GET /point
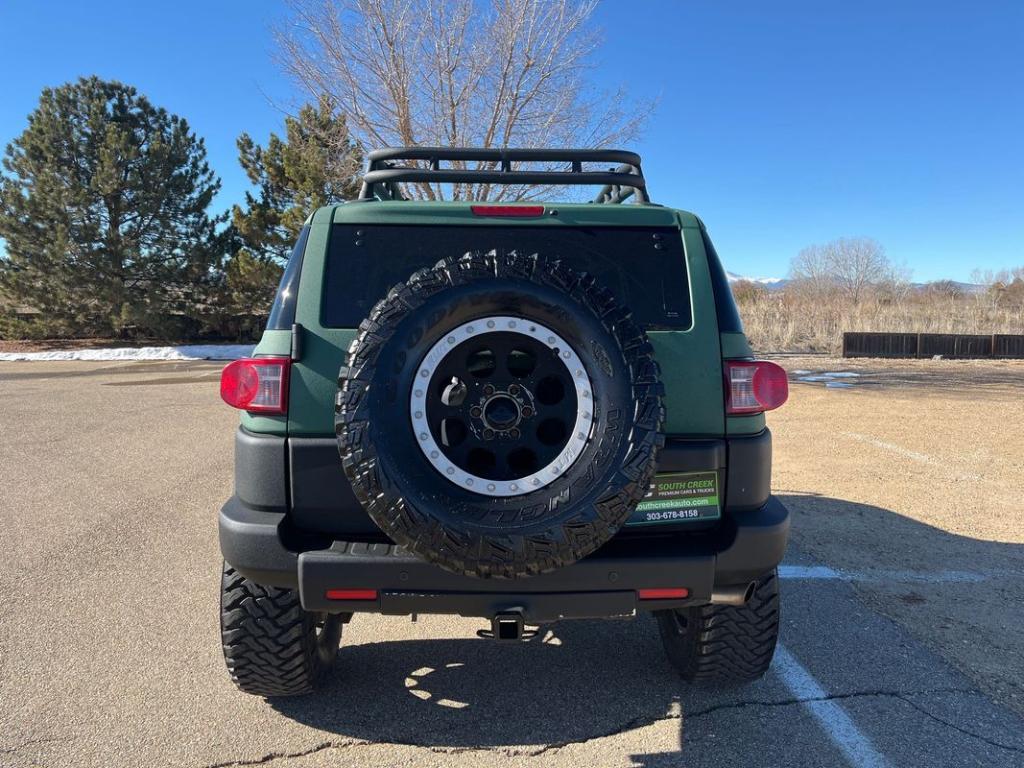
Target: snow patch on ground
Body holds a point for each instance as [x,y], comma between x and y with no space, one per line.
[185,352]
[831,379]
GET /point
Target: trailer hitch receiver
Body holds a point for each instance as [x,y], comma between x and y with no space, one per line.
[507,625]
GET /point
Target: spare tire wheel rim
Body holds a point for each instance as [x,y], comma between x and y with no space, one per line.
[501,406]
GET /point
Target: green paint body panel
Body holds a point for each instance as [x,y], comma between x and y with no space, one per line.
[745,425]
[274,343]
[691,359]
[736,347]
[314,381]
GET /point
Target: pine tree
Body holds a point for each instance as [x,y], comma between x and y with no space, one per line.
[103,208]
[317,163]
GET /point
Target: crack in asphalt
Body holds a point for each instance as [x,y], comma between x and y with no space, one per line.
[830,697]
[903,696]
[636,722]
[641,721]
[289,755]
[955,727]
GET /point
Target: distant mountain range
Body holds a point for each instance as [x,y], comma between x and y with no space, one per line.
[771,283]
[964,287]
[778,283]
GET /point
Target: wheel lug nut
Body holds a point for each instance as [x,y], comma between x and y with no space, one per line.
[488,434]
[475,412]
[513,433]
[488,389]
[527,411]
[514,389]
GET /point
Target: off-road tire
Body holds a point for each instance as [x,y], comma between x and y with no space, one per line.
[271,645]
[721,644]
[506,537]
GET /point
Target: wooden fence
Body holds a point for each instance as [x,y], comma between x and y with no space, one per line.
[857,344]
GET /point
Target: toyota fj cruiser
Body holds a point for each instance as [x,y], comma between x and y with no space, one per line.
[544,411]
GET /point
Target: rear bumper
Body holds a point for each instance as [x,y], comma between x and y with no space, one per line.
[749,543]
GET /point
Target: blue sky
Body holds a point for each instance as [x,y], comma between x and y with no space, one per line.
[781,124]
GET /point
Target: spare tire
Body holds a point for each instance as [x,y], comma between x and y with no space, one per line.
[499,414]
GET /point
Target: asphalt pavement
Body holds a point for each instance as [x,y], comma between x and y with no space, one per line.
[111,476]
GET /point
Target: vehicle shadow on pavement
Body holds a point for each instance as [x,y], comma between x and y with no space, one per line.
[583,680]
[575,681]
[960,595]
[880,547]
[956,594]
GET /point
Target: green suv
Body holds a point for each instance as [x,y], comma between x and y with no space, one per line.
[544,411]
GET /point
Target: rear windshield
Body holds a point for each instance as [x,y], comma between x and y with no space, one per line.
[643,266]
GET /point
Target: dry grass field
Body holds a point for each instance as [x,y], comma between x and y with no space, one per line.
[791,321]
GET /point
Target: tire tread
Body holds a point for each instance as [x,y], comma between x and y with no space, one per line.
[724,643]
[269,641]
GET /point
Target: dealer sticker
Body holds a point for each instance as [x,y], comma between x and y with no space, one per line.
[679,497]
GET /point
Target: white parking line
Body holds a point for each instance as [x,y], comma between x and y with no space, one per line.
[855,746]
[899,450]
[926,577]
[809,572]
[922,458]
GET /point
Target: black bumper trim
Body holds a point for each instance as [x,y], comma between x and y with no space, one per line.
[534,607]
[413,582]
[250,540]
[749,472]
[253,542]
[261,477]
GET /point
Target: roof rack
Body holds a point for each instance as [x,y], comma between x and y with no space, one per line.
[385,170]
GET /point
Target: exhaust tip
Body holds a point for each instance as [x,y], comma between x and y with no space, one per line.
[733,595]
[749,593]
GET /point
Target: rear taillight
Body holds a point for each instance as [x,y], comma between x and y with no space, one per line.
[257,385]
[514,211]
[755,386]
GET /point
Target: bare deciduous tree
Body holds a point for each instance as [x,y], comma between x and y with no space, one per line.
[811,270]
[458,73]
[858,263]
[850,265]
[1004,287]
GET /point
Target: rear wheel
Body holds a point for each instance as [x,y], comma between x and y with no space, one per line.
[271,645]
[716,644]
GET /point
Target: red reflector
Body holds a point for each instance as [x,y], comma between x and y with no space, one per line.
[515,211]
[665,593]
[351,594]
[755,386]
[256,384]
